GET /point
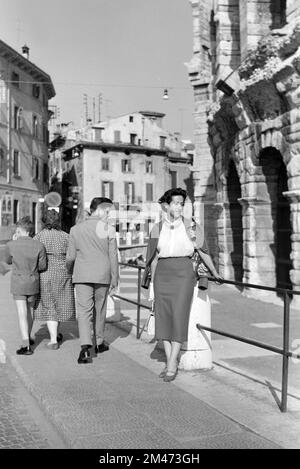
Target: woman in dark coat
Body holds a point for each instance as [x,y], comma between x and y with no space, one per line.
[56,301]
[171,246]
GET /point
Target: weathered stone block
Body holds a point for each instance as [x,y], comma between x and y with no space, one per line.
[295,276]
[294,183]
[266,263]
[293,167]
[293,136]
[264,234]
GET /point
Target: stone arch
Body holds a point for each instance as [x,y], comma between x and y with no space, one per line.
[234,224]
[279,218]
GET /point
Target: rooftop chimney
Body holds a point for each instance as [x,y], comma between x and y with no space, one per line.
[25,51]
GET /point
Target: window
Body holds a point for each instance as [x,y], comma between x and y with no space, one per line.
[126,166]
[16,211]
[35,91]
[98,135]
[2,160]
[15,78]
[18,118]
[130,118]
[6,210]
[16,163]
[45,133]
[35,126]
[149,167]
[149,192]
[33,215]
[45,173]
[117,136]
[278,12]
[129,192]
[133,139]
[108,189]
[35,168]
[162,142]
[105,164]
[173,175]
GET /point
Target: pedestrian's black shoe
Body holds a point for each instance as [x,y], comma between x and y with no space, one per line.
[102,348]
[24,351]
[59,338]
[84,356]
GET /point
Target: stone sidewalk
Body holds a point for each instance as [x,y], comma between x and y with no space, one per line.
[22,424]
[118,401]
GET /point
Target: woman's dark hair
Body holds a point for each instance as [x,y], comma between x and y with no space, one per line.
[51,220]
[167,197]
[98,201]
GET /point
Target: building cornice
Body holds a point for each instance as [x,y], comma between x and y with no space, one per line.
[24,64]
[114,147]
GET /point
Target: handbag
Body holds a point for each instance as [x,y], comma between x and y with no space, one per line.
[150,324]
[146,280]
[201,272]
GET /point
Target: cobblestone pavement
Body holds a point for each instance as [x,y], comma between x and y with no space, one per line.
[22,426]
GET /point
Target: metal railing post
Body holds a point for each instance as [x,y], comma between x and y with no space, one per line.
[138,311]
[285,357]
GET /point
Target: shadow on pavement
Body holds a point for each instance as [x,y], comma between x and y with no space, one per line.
[157,353]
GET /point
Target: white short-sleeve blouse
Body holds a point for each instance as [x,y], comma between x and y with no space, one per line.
[174,241]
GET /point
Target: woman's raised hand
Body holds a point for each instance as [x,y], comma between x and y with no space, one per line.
[218,278]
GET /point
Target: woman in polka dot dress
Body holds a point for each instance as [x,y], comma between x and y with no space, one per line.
[56,301]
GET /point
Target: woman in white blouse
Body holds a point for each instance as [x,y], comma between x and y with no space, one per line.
[169,253]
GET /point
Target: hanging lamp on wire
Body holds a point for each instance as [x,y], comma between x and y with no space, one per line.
[166,95]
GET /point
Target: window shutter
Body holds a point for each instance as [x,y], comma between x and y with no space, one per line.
[117,136]
[149,192]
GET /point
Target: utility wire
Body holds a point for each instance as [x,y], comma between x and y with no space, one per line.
[114,85]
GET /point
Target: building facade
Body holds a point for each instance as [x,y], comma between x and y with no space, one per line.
[246,76]
[129,159]
[25,90]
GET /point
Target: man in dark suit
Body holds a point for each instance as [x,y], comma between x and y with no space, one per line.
[92,256]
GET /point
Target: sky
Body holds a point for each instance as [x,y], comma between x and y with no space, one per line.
[127,50]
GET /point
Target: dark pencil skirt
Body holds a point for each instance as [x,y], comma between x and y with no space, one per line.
[173,283]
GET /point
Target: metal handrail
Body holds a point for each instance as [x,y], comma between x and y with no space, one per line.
[138,302]
[258,287]
[131,246]
[285,352]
